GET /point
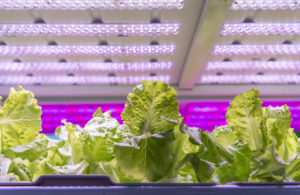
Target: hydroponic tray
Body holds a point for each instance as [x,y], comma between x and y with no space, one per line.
[95,184]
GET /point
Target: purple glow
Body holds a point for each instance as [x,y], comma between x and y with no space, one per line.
[205,115]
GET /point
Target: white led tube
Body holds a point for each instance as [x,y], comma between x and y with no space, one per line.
[265,4]
[284,49]
[51,50]
[253,65]
[261,29]
[90,4]
[67,80]
[249,79]
[84,66]
[90,29]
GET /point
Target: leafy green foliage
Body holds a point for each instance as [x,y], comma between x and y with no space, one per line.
[244,116]
[146,157]
[20,118]
[277,125]
[148,107]
[153,145]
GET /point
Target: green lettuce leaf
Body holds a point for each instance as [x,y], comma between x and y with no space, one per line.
[237,170]
[147,157]
[148,107]
[23,169]
[210,154]
[111,169]
[20,118]
[244,116]
[94,142]
[224,136]
[268,166]
[75,141]
[154,157]
[32,151]
[293,170]
[47,169]
[187,174]
[58,153]
[278,131]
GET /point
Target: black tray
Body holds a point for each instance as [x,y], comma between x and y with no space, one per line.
[98,184]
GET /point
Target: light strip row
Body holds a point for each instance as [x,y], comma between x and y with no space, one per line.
[261,29]
[86,50]
[253,65]
[257,49]
[90,4]
[265,4]
[85,80]
[77,66]
[244,79]
[90,29]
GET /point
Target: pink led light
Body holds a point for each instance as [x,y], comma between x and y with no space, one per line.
[253,65]
[89,66]
[87,50]
[90,29]
[81,79]
[203,114]
[90,4]
[261,28]
[265,4]
[257,49]
[237,79]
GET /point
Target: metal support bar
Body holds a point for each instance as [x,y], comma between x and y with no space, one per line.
[208,28]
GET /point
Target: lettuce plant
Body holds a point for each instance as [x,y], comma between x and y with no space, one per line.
[153,144]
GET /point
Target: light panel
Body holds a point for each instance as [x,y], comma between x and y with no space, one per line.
[86,50]
[90,4]
[209,114]
[265,4]
[82,80]
[261,29]
[254,65]
[79,114]
[243,79]
[90,29]
[203,114]
[86,66]
[284,49]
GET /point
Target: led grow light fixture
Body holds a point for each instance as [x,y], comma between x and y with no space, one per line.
[203,114]
[265,4]
[87,79]
[86,50]
[257,49]
[261,29]
[254,65]
[86,66]
[90,29]
[90,4]
[245,79]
